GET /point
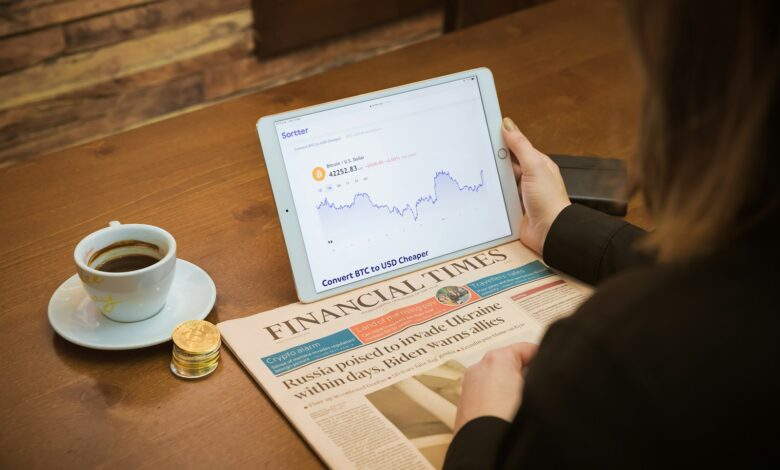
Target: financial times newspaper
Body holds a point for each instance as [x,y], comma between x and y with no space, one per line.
[372,378]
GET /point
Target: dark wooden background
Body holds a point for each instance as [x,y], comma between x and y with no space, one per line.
[76,70]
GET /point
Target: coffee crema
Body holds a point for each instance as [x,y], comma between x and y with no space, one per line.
[125,256]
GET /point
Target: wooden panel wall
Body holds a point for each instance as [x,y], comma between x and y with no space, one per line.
[281,25]
[464,13]
[72,70]
[75,70]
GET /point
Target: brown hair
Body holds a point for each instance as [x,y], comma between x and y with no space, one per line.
[707,166]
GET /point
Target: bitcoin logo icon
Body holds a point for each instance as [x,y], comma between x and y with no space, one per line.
[318,173]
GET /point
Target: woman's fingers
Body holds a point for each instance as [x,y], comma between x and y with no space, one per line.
[521,354]
[524,352]
[540,186]
[526,155]
[493,386]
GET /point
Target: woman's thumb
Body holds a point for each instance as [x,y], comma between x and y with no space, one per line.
[520,146]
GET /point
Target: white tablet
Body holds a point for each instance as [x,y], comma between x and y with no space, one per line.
[377,185]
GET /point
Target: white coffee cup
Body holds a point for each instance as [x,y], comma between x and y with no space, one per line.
[132,295]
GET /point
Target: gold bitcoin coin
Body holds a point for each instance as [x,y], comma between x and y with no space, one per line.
[318,173]
[188,372]
[196,337]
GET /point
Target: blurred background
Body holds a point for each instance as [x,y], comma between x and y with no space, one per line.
[77,70]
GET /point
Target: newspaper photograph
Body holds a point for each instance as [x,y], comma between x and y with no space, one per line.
[372,378]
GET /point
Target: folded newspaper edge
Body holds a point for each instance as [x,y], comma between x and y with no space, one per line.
[372,377]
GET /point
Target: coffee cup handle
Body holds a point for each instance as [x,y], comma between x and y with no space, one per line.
[114,223]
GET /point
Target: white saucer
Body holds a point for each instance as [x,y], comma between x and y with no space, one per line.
[74,316]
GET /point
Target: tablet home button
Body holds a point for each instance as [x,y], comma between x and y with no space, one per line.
[502,153]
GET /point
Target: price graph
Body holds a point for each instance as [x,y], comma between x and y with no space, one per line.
[450,207]
[443,182]
[377,183]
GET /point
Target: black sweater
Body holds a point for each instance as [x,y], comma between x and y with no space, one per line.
[665,366]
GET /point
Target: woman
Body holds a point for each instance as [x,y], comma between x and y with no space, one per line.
[673,361]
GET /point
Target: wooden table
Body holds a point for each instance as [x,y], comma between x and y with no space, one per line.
[563,72]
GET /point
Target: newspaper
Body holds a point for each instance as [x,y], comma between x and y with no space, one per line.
[372,378]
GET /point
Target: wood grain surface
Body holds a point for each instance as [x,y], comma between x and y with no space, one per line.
[287,24]
[22,15]
[564,73]
[98,75]
[136,55]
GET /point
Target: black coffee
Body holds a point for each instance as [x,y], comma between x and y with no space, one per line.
[123,264]
[126,255]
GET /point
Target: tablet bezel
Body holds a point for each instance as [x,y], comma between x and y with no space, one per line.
[285,206]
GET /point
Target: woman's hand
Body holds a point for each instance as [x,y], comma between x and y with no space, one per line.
[494,385]
[541,187]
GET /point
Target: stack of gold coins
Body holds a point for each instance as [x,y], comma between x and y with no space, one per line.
[195,349]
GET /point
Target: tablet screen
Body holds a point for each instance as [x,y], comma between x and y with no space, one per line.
[390,182]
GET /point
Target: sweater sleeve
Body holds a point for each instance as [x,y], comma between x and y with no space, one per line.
[476,444]
[580,409]
[591,246]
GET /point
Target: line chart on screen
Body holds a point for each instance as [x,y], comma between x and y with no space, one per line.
[394,178]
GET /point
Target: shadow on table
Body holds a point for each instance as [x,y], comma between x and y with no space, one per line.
[138,376]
